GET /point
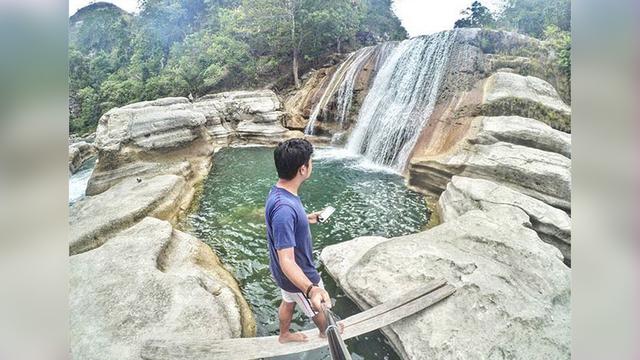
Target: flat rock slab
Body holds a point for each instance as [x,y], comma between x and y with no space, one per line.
[540,174]
[513,291]
[465,194]
[103,179]
[522,131]
[94,219]
[149,281]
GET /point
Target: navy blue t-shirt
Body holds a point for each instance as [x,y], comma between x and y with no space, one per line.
[287,226]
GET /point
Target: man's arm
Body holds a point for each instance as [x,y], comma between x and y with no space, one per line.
[313,217]
[293,272]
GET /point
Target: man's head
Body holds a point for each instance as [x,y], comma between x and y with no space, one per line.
[293,159]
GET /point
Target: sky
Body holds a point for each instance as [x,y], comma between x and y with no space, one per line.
[419,17]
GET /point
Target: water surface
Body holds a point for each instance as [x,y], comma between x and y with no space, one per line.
[230,218]
[78,181]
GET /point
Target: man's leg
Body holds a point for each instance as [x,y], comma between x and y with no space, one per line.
[285,314]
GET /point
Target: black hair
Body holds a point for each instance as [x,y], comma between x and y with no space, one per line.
[290,155]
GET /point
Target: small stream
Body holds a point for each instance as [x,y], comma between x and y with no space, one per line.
[230,218]
[78,181]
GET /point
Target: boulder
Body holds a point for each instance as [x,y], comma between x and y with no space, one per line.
[79,153]
[152,125]
[465,194]
[540,174]
[521,131]
[151,282]
[94,219]
[513,291]
[507,93]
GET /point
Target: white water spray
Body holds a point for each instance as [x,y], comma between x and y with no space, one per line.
[401,100]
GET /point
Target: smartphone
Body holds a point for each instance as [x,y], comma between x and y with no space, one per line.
[324,215]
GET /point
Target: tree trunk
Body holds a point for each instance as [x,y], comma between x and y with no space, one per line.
[296,47]
[296,79]
[339,49]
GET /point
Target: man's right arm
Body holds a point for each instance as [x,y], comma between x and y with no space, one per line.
[284,242]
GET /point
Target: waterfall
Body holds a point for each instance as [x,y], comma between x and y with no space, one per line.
[401,100]
[342,81]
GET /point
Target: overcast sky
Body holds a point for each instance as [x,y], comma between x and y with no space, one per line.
[419,17]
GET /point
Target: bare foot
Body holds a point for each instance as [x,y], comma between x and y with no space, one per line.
[340,329]
[292,337]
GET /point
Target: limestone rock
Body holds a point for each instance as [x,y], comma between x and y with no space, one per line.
[95,218]
[513,291]
[465,194]
[160,124]
[507,93]
[101,180]
[251,115]
[261,132]
[79,153]
[150,282]
[522,131]
[543,175]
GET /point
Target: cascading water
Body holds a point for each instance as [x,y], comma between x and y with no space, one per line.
[401,100]
[342,81]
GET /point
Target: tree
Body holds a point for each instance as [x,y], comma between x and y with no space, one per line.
[298,28]
[477,15]
[532,17]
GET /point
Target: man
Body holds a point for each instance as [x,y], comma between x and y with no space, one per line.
[289,240]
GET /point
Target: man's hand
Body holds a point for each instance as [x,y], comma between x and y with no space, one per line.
[317,295]
[313,217]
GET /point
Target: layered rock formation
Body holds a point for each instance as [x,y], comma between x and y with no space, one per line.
[499,118]
[176,136]
[151,138]
[513,291]
[253,116]
[496,151]
[150,282]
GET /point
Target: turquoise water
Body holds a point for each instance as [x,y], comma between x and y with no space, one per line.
[230,218]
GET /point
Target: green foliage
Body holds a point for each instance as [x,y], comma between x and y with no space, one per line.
[532,17]
[194,47]
[379,23]
[87,118]
[205,59]
[560,42]
[477,15]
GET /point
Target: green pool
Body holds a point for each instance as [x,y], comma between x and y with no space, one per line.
[230,218]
